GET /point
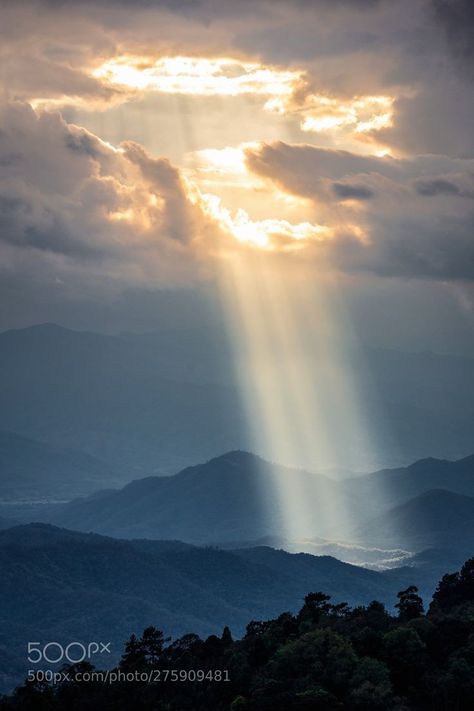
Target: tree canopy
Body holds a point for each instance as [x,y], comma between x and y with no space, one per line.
[328,656]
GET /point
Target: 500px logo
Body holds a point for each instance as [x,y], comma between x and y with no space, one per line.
[74,652]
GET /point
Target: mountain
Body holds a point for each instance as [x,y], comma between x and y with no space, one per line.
[399,484]
[230,498]
[436,518]
[32,470]
[128,400]
[238,499]
[157,402]
[387,488]
[85,587]
[367,556]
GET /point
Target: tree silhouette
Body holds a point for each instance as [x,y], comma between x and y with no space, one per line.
[145,650]
[132,657]
[226,636]
[315,605]
[409,605]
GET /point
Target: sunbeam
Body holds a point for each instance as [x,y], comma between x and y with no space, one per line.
[297,385]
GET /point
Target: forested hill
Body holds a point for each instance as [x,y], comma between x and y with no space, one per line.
[63,585]
[326,657]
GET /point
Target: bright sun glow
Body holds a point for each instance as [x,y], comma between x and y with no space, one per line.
[198,76]
[224,76]
[269,234]
[361,114]
[225,161]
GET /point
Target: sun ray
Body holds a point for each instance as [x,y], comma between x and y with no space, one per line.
[296,384]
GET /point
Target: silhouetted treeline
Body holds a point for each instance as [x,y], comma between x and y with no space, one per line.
[326,657]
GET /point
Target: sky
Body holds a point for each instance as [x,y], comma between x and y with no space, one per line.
[148,145]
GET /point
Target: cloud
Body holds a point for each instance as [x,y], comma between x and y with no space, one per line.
[82,206]
[76,210]
[456,17]
[346,191]
[301,168]
[225,7]
[396,53]
[398,232]
[438,186]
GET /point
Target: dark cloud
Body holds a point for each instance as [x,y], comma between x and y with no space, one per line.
[438,119]
[346,191]
[430,188]
[432,79]
[456,17]
[440,248]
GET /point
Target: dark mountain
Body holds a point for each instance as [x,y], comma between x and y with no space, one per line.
[381,491]
[230,498]
[31,470]
[160,401]
[393,486]
[436,518]
[87,587]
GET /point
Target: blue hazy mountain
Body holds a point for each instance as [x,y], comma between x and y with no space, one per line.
[32,470]
[161,401]
[233,499]
[87,587]
[229,498]
[436,518]
[125,399]
[394,486]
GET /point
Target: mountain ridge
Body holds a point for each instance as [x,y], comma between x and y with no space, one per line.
[235,497]
[84,586]
[433,518]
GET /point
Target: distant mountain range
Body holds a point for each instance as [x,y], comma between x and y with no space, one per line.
[233,500]
[62,585]
[432,519]
[32,470]
[158,402]
[122,399]
[398,485]
[230,498]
